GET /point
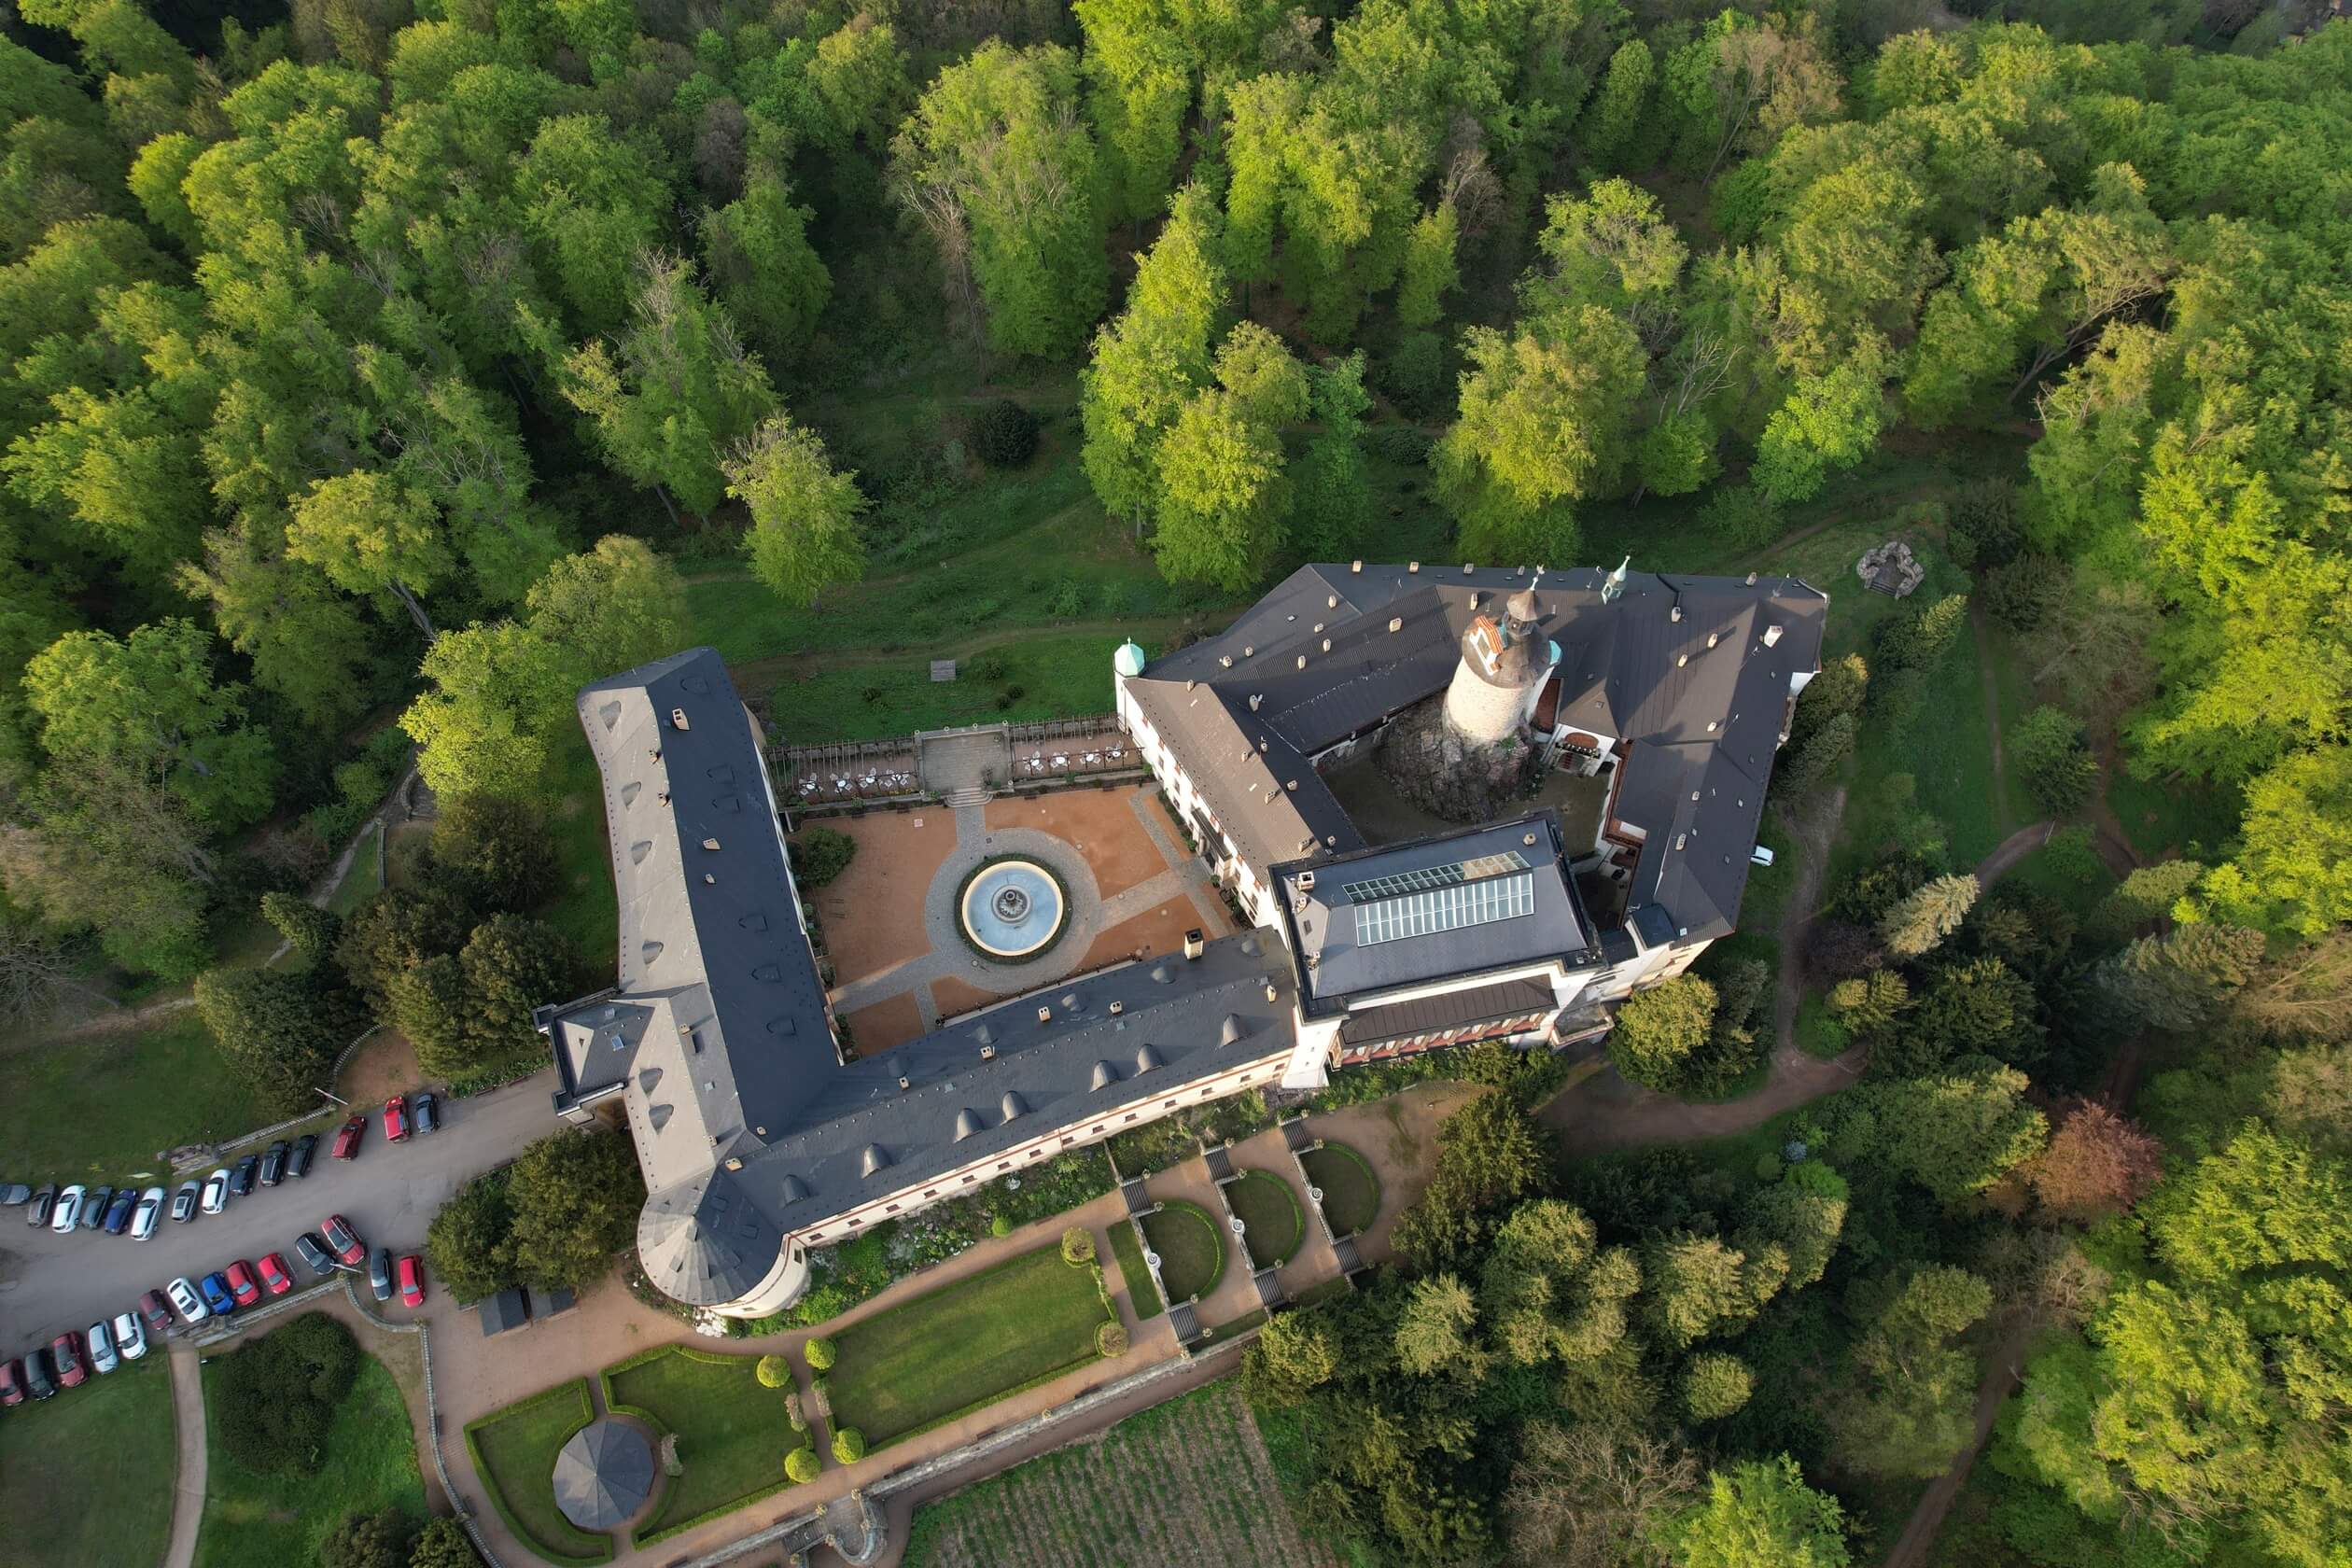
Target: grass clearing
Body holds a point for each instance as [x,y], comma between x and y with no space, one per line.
[731,1433]
[1186,1484]
[1351,1189]
[1053,675]
[963,1346]
[2193,819]
[583,906]
[1142,1291]
[1191,1252]
[1272,1222]
[370,1464]
[364,878]
[514,1453]
[123,1421]
[106,1102]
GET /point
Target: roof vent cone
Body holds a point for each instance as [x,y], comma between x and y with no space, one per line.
[1193,943]
[1675,614]
[1255,698]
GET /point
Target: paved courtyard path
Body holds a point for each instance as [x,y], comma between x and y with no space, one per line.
[188,1422]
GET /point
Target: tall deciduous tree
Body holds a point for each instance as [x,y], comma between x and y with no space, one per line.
[804,536]
[1757,1513]
[1224,493]
[575,1197]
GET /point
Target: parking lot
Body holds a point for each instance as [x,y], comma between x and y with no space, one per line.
[50,1284]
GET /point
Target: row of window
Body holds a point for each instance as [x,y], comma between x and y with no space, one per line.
[1408,1045]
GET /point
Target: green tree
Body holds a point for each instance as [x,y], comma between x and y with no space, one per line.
[1435,1330]
[309,930]
[493,698]
[2060,771]
[102,846]
[756,252]
[848,1445]
[276,1033]
[430,1004]
[1613,122]
[804,536]
[1428,273]
[2292,872]
[774,1372]
[1002,167]
[1909,1414]
[819,1352]
[592,199]
[618,605]
[468,1239]
[497,848]
[802,1465]
[1830,421]
[1803,1214]
[576,1197]
[1224,493]
[369,532]
[1660,1029]
[397,928]
[1333,486]
[149,704]
[1955,1133]
[1292,1356]
[1869,1004]
[443,1544]
[1754,1514]
[377,1540]
[1696,1286]
[1917,923]
[1715,1385]
[511,965]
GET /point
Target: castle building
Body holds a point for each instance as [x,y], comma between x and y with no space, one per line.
[1656,703]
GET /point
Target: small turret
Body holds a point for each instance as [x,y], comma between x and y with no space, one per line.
[1127,661]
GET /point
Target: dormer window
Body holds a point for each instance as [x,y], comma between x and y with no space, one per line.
[678,717]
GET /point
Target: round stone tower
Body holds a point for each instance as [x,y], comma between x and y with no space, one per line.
[1503,662]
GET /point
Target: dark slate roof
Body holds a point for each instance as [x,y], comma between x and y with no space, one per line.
[1631,668]
[718,1040]
[502,1311]
[1472,1004]
[1321,920]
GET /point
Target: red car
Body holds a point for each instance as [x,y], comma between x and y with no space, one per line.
[413,1280]
[347,1138]
[274,1274]
[343,1241]
[396,1118]
[11,1382]
[72,1366]
[240,1283]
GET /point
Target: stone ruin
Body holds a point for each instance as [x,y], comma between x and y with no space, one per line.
[1447,775]
[1890,569]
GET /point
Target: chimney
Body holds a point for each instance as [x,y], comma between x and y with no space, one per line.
[1466,570]
[1306,878]
[988,1053]
[905,1082]
[1044,1015]
[1117,1008]
[1355,565]
[1751,582]
[1225,661]
[1771,635]
[1675,614]
[1396,623]
[1193,943]
[1412,566]
[1332,603]
[1255,698]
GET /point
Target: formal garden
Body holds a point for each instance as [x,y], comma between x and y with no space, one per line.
[731,1432]
[1273,1224]
[923,1363]
[1350,1191]
[514,1453]
[1191,1251]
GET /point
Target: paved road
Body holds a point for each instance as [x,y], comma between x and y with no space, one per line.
[49,1282]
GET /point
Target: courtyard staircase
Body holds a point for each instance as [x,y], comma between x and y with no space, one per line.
[971,795]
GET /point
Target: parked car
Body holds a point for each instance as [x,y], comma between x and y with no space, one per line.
[347,1138]
[427,1110]
[379,1273]
[44,1205]
[217,1191]
[13,1194]
[129,1337]
[184,1201]
[305,1149]
[242,1182]
[93,1206]
[102,1359]
[69,1208]
[40,1374]
[157,1309]
[242,1284]
[275,1277]
[11,1382]
[217,1295]
[73,1363]
[273,1163]
[413,1280]
[341,1239]
[396,1126]
[187,1303]
[313,1256]
[118,1215]
[148,1215]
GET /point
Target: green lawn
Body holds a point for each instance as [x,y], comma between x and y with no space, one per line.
[1947,749]
[1272,1221]
[115,1431]
[731,1433]
[105,1103]
[2194,817]
[1350,1191]
[370,1464]
[1142,1291]
[363,877]
[1191,1252]
[583,906]
[514,1453]
[1057,675]
[963,1346]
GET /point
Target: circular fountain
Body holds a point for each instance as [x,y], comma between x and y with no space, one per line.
[1012,909]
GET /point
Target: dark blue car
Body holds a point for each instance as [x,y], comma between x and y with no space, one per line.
[218,1295]
[117,1218]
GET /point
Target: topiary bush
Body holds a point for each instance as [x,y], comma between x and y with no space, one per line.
[1077,1246]
[819,1352]
[802,1466]
[773,1372]
[820,855]
[1004,434]
[1000,1224]
[1110,1341]
[849,1445]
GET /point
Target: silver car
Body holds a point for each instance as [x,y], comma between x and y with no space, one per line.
[130,1335]
[101,1352]
[184,1201]
[68,1208]
[149,1212]
[217,1191]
